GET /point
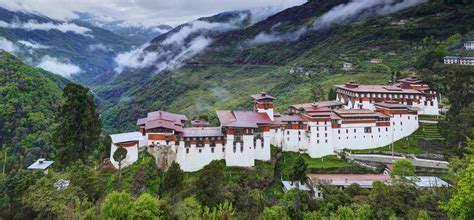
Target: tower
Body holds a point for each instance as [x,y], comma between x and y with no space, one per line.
[263,103]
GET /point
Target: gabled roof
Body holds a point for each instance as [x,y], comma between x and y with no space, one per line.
[243,119]
[325,105]
[378,89]
[126,137]
[163,119]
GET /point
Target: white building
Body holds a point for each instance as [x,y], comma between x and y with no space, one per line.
[244,136]
[347,66]
[469,45]
[409,91]
[469,61]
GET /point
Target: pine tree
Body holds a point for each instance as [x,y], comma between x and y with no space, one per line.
[78,130]
[173,179]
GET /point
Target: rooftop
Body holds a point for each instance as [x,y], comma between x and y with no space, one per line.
[163,119]
[40,164]
[262,96]
[126,137]
[364,180]
[316,105]
[203,132]
[199,123]
[376,89]
[289,185]
[428,181]
[243,118]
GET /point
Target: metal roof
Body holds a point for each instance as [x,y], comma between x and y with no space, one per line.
[40,164]
[126,137]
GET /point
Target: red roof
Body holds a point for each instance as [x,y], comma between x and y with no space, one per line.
[390,105]
[243,119]
[378,89]
[295,117]
[162,119]
[199,123]
[411,80]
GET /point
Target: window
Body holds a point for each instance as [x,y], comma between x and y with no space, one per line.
[212,150]
[235,149]
[355,131]
[317,134]
[288,138]
[317,128]
[367,130]
[187,150]
[223,150]
[386,129]
[317,141]
[299,139]
[326,140]
[401,123]
[200,150]
[325,134]
[379,129]
[241,148]
[325,128]
[338,131]
[347,131]
[299,132]
[288,132]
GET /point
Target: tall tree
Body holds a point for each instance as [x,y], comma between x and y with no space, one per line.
[173,179]
[78,130]
[119,155]
[298,171]
[210,184]
[145,207]
[332,94]
[189,209]
[461,206]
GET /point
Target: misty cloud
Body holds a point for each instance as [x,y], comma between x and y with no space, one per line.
[33,44]
[185,43]
[7,45]
[98,47]
[56,66]
[342,13]
[34,25]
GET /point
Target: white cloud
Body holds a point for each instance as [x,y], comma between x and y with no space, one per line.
[98,47]
[34,25]
[54,65]
[33,44]
[137,58]
[7,45]
[146,12]
[339,14]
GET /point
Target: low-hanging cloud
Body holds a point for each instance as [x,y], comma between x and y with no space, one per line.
[56,66]
[98,47]
[7,45]
[179,46]
[35,25]
[33,44]
[342,13]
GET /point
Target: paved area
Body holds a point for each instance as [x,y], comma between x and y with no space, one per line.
[437,164]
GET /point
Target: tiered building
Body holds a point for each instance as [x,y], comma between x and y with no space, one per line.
[362,117]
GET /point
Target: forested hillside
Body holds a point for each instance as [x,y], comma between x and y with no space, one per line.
[29,98]
[290,68]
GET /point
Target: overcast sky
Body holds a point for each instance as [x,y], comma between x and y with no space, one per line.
[147,12]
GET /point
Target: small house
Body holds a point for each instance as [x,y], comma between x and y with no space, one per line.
[42,165]
[375,61]
[347,66]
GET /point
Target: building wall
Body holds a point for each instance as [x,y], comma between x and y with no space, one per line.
[132,156]
[262,147]
[240,154]
[321,143]
[194,158]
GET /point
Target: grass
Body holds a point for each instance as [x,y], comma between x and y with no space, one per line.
[327,164]
[410,144]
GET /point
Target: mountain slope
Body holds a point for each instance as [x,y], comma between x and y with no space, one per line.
[29,98]
[231,68]
[74,49]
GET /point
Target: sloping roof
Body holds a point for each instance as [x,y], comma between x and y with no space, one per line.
[390,105]
[364,180]
[203,132]
[199,123]
[316,105]
[295,117]
[163,119]
[126,137]
[243,118]
[411,80]
[262,96]
[428,181]
[40,164]
[379,89]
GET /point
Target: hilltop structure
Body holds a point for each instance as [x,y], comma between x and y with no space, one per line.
[317,129]
[469,45]
[459,60]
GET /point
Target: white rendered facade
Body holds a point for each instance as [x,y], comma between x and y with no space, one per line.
[243,137]
[469,45]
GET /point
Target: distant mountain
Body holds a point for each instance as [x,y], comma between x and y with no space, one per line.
[138,34]
[287,55]
[74,49]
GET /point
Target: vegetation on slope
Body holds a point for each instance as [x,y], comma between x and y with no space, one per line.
[29,99]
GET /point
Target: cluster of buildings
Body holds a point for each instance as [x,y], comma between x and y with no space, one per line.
[459,60]
[362,117]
